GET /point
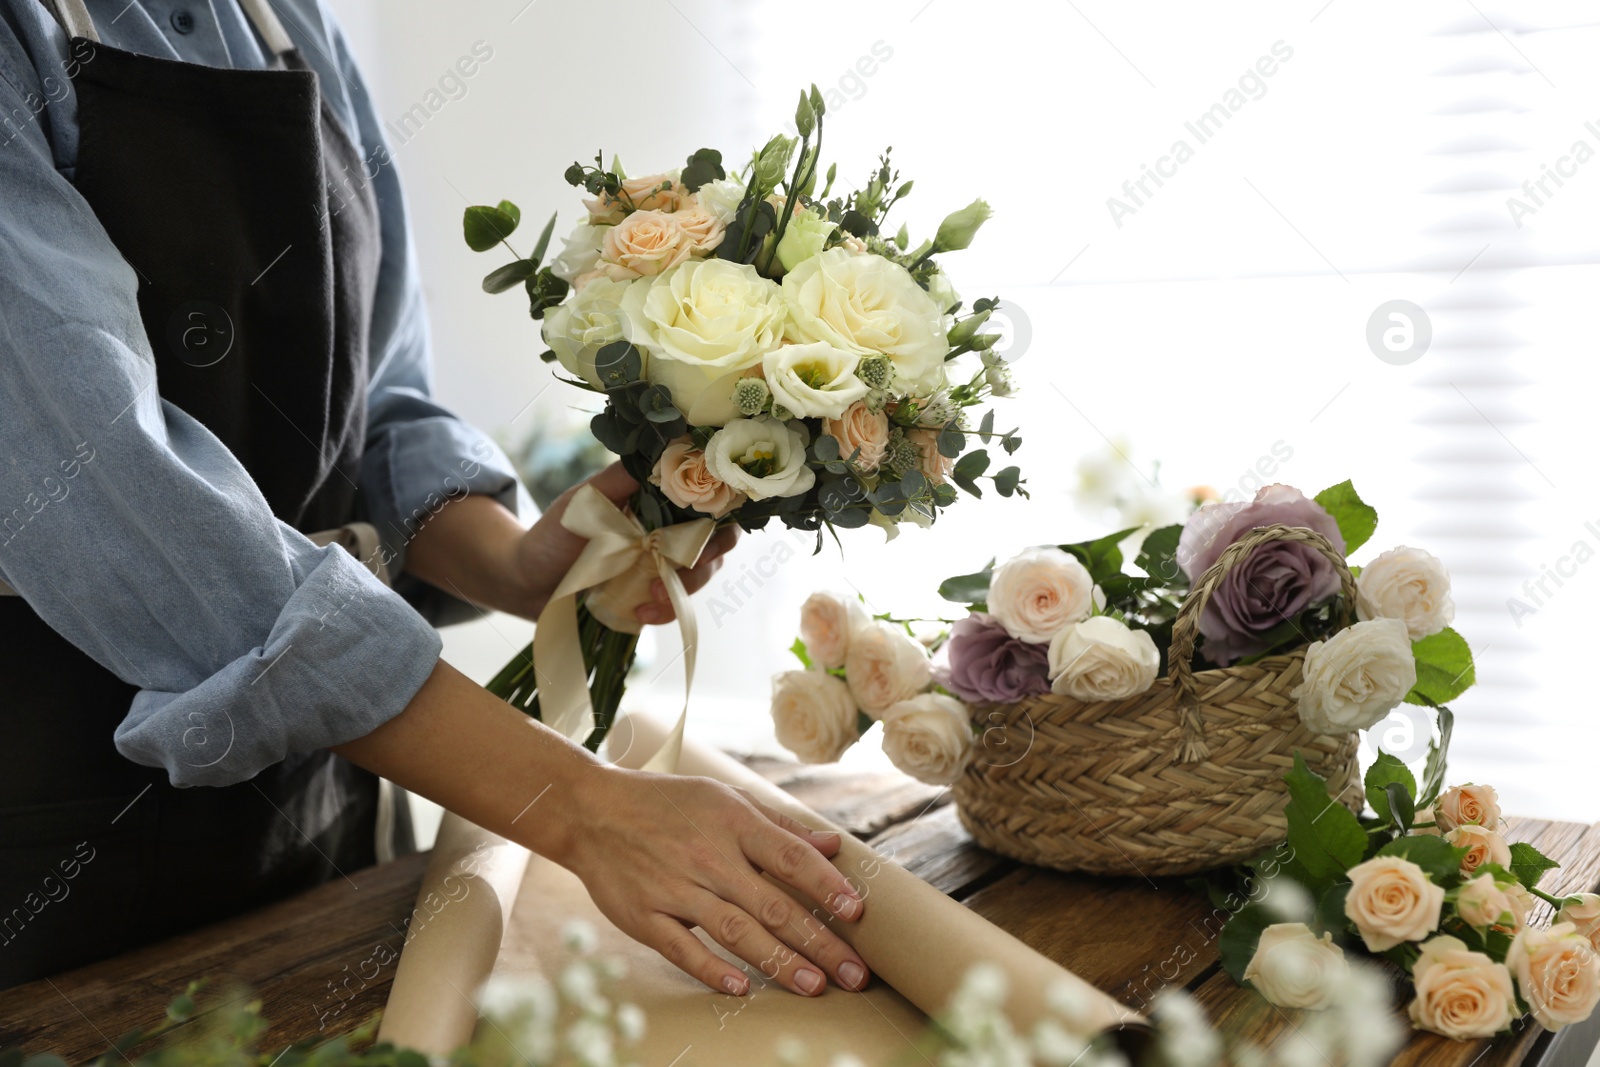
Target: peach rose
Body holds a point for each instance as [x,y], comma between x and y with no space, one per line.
[643,244]
[1460,994]
[1391,900]
[1040,592]
[652,192]
[1583,912]
[1558,973]
[860,428]
[1484,901]
[1483,846]
[684,479]
[1464,805]
[826,622]
[1293,968]
[885,666]
[705,230]
[1425,816]
[935,465]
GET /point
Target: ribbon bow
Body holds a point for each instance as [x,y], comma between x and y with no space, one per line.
[618,564]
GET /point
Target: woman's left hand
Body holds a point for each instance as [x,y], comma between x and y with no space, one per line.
[547,551]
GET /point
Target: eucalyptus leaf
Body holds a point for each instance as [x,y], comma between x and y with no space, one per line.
[968,588]
[484,227]
[543,243]
[1006,480]
[512,274]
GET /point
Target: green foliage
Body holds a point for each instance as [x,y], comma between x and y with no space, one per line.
[1356,518]
[969,589]
[800,653]
[1330,911]
[1158,556]
[1237,943]
[1439,859]
[1433,770]
[1326,838]
[1528,864]
[968,469]
[1102,557]
[484,227]
[1444,668]
[702,167]
[1385,771]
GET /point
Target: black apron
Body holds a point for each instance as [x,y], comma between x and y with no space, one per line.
[243,207]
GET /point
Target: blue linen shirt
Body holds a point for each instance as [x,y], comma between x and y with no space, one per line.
[125,523]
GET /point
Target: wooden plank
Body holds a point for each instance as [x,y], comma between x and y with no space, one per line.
[864,804]
[320,962]
[937,848]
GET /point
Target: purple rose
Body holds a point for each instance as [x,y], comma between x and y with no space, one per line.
[1272,585]
[981,663]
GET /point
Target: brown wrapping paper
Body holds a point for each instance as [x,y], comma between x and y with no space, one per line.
[453,937]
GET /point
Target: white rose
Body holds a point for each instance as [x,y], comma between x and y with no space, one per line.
[589,320]
[1039,592]
[1558,973]
[760,457]
[1390,901]
[1407,584]
[1461,994]
[1101,659]
[1294,968]
[814,715]
[579,253]
[1356,677]
[928,737]
[814,381]
[884,666]
[826,622]
[721,198]
[705,323]
[1584,914]
[867,305]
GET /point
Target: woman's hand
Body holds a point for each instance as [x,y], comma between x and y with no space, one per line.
[662,854]
[548,550]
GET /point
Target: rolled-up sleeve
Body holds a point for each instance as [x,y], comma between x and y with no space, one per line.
[133,532]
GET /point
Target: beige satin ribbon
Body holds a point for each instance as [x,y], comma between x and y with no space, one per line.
[617,566]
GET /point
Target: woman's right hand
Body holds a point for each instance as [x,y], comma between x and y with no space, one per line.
[662,854]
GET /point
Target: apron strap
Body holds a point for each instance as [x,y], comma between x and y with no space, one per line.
[74,18]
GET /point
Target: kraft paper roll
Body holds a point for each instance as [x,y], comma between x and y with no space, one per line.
[453,937]
[911,935]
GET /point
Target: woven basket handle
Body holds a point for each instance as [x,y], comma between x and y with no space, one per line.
[1187,624]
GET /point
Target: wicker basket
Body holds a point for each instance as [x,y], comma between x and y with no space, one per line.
[1183,777]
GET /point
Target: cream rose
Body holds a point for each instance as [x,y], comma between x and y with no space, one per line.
[1558,973]
[588,321]
[1460,993]
[813,715]
[1484,901]
[866,305]
[580,252]
[721,198]
[1391,900]
[884,666]
[1467,805]
[652,192]
[1408,584]
[860,428]
[826,622]
[760,457]
[1294,968]
[1584,914]
[1101,659]
[706,323]
[1482,845]
[928,737]
[684,479]
[644,244]
[815,380]
[1040,592]
[1356,677]
[935,465]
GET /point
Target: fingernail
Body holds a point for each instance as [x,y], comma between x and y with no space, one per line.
[845,906]
[810,982]
[823,836]
[852,974]
[734,985]
[649,613]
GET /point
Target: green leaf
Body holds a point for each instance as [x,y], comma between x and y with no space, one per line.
[1529,864]
[951,443]
[539,247]
[1239,938]
[1439,859]
[986,427]
[485,227]
[1006,480]
[181,1009]
[702,167]
[1357,520]
[968,588]
[1158,555]
[799,650]
[1102,556]
[1326,838]
[1330,911]
[1444,668]
[514,273]
[1385,771]
[1399,807]
[967,470]
[1433,770]
[510,211]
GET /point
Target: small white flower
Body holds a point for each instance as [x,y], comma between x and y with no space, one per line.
[760,457]
[579,937]
[630,1022]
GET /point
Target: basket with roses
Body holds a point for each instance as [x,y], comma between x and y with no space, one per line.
[1140,719]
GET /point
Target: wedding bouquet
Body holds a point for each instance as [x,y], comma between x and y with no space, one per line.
[766,349]
[1428,882]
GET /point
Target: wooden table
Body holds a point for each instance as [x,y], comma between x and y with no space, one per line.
[321,962]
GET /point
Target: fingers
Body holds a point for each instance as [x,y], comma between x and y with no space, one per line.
[659,610]
[617,485]
[687,953]
[792,854]
[824,841]
[779,938]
